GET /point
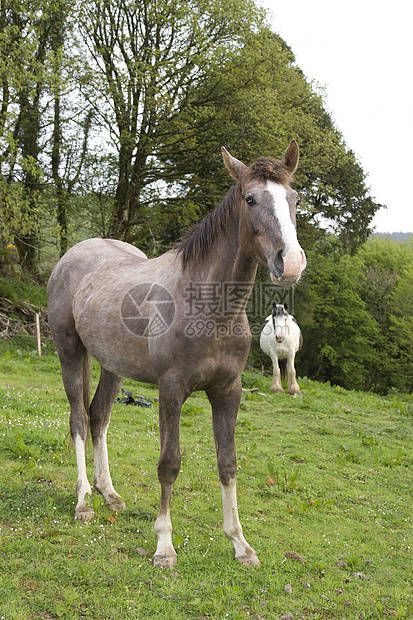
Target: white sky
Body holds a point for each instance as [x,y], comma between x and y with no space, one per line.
[362,52]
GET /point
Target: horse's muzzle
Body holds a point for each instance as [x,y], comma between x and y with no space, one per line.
[294,263]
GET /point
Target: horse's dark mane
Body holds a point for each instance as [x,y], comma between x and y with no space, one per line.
[198,241]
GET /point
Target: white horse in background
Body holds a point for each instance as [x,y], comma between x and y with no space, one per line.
[281,339]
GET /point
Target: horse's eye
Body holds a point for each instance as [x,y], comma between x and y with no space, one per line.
[250,200]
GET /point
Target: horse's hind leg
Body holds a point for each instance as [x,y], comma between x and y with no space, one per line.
[100,412]
[224,415]
[75,363]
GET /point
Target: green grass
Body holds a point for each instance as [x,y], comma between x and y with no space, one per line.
[17,290]
[325,479]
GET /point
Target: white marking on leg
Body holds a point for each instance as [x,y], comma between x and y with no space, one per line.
[232,526]
[83,487]
[165,551]
[102,479]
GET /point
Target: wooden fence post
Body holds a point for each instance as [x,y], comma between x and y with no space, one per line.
[37,331]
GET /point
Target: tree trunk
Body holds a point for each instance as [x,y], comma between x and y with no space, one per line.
[27,242]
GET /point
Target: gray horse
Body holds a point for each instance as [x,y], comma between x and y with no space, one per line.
[179,321]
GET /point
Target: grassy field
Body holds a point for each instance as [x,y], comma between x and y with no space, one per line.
[325,495]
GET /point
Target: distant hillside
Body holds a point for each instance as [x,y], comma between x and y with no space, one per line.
[396,236]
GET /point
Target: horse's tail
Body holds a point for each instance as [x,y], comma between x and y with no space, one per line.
[87,379]
[283,368]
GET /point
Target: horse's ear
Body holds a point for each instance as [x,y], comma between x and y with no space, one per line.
[274,305]
[291,157]
[286,306]
[234,166]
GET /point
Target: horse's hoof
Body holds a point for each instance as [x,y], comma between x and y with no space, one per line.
[83,513]
[249,560]
[276,389]
[164,561]
[116,503]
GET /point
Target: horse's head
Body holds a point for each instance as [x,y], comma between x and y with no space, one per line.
[279,321]
[269,213]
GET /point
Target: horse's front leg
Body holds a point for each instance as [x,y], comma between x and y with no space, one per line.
[170,403]
[293,387]
[276,385]
[224,415]
[100,412]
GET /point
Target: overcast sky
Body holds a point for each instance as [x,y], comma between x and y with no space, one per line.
[362,52]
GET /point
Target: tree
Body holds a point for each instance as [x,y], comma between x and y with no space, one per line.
[145,57]
[385,264]
[339,333]
[254,104]
[401,330]
[67,156]
[67,163]
[123,106]
[31,74]
[24,34]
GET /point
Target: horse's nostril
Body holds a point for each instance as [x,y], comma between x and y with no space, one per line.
[279,261]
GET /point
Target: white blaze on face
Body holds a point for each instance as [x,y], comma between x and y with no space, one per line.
[293,255]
